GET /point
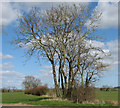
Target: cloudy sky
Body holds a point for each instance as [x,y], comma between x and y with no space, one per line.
[15,65]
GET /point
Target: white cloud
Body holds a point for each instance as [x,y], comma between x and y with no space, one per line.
[95,43]
[11,78]
[109,16]
[113,47]
[6,66]
[110,52]
[48,0]
[27,5]
[45,75]
[109,9]
[7,56]
[8,14]
[109,1]
[12,74]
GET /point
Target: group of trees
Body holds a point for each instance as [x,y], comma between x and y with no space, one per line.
[64,35]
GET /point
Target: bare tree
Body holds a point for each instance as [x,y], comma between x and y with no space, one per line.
[31,82]
[60,34]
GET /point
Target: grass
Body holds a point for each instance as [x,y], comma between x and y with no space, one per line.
[107,95]
[20,97]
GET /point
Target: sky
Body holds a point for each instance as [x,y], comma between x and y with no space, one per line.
[14,65]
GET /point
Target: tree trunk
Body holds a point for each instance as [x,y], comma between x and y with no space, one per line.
[65,90]
[62,84]
[82,81]
[86,83]
[55,80]
[69,81]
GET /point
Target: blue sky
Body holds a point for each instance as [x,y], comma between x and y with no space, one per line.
[15,66]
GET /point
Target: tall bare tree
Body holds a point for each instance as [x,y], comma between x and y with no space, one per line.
[60,34]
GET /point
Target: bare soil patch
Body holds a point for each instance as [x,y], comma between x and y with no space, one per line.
[16,104]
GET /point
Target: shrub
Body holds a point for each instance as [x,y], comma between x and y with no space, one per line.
[81,94]
[51,92]
[41,90]
[28,91]
[19,90]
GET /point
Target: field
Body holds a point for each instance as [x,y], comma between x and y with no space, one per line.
[20,97]
[107,95]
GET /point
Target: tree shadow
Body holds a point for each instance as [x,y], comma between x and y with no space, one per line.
[41,98]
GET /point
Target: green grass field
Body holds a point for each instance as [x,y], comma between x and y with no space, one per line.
[107,95]
[20,97]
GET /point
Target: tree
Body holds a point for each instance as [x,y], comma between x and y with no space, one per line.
[61,34]
[31,82]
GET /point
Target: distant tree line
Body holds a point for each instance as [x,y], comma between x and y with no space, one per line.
[10,89]
[108,88]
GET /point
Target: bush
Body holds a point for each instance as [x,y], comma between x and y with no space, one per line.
[41,90]
[80,94]
[51,92]
[19,90]
[28,91]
